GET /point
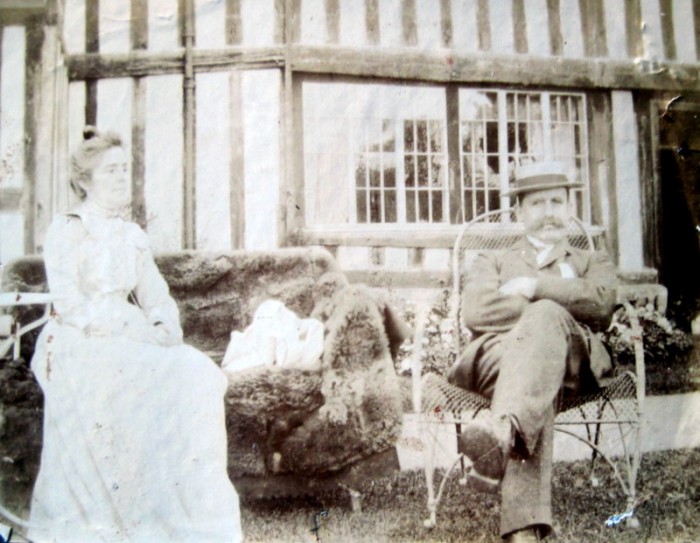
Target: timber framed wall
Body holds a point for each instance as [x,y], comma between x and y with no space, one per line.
[208,95]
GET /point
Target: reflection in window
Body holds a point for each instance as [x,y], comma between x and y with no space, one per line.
[501,130]
[378,153]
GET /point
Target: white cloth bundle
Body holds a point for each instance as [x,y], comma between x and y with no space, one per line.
[275,337]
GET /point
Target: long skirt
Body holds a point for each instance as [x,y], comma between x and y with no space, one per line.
[134,443]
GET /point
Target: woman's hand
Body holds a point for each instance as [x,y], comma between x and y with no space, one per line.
[164,336]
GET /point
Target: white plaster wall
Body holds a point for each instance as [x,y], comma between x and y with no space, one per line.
[465,31]
[262,152]
[684,31]
[162,25]
[210,24]
[537,23]
[627,181]
[213,177]
[12,106]
[501,24]
[114,110]
[163,188]
[571,30]
[258,20]
[615,28]
[115,27]
[313,22]
[74,26]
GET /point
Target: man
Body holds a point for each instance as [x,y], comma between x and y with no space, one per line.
[533,309]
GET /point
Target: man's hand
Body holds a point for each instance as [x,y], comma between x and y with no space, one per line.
[525,286]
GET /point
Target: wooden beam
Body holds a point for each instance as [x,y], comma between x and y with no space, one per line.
[696,20]
[441,239]
[237,163]
[10,199]
[139,24]
[92,26]
[633,24]
[493,69]
[372,21]
[399,279]
[409,32]
[22,4]
[138,152]
[453,148]
[137,63]
[234,23]
[332,20]
[667,31]
[280,26]
[593,27]
[34,46]
[555,37]
[519,26]
[446,28]
[483,24]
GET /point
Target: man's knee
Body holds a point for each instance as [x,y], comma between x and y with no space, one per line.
[545,310]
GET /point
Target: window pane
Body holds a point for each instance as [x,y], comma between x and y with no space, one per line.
[360,173]
[424,206]
[437,206]
[422,171]
[375,206]
[390,206]
[351,133]
[411,206]
[361,206]
[388,135]
[409,172]
[390,177]
[408,139]
[436,173]
[435,136]
[422,133]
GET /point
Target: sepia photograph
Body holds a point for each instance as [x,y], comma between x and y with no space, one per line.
[349,271]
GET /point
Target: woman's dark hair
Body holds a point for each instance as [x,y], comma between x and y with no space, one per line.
[87,155]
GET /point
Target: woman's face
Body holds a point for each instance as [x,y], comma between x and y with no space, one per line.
[109,187]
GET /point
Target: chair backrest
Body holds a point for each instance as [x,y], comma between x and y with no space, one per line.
[496,231]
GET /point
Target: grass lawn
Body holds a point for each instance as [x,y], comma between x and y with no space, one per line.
[393,509]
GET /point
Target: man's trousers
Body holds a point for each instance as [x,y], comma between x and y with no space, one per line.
[523,373]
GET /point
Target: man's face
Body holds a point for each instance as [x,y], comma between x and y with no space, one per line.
[546,214]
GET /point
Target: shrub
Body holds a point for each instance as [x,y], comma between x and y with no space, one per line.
[667,349]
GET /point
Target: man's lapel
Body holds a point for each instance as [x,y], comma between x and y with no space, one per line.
[559,251]
[526,252]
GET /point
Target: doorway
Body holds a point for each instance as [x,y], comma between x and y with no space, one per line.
[679,221]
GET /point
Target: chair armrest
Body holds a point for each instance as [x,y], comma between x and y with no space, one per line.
[638,343]
[644,294]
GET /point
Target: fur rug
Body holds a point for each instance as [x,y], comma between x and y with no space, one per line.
[286,420]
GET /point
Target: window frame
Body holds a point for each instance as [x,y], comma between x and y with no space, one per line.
[424,234]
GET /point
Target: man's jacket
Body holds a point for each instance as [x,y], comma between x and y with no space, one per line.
[582,282]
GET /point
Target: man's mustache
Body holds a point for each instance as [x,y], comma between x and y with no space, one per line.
[549,223]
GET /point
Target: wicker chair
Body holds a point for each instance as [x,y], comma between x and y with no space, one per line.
[441,406]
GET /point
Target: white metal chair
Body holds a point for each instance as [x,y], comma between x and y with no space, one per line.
[10,329]
[440,405]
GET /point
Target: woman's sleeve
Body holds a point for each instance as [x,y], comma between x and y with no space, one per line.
[153,296]
[62,258]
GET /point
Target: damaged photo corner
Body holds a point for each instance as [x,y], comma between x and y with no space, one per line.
[253,269]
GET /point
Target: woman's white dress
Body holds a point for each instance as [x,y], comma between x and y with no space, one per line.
[134,432]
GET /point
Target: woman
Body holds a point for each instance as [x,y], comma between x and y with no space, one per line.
[134,435]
